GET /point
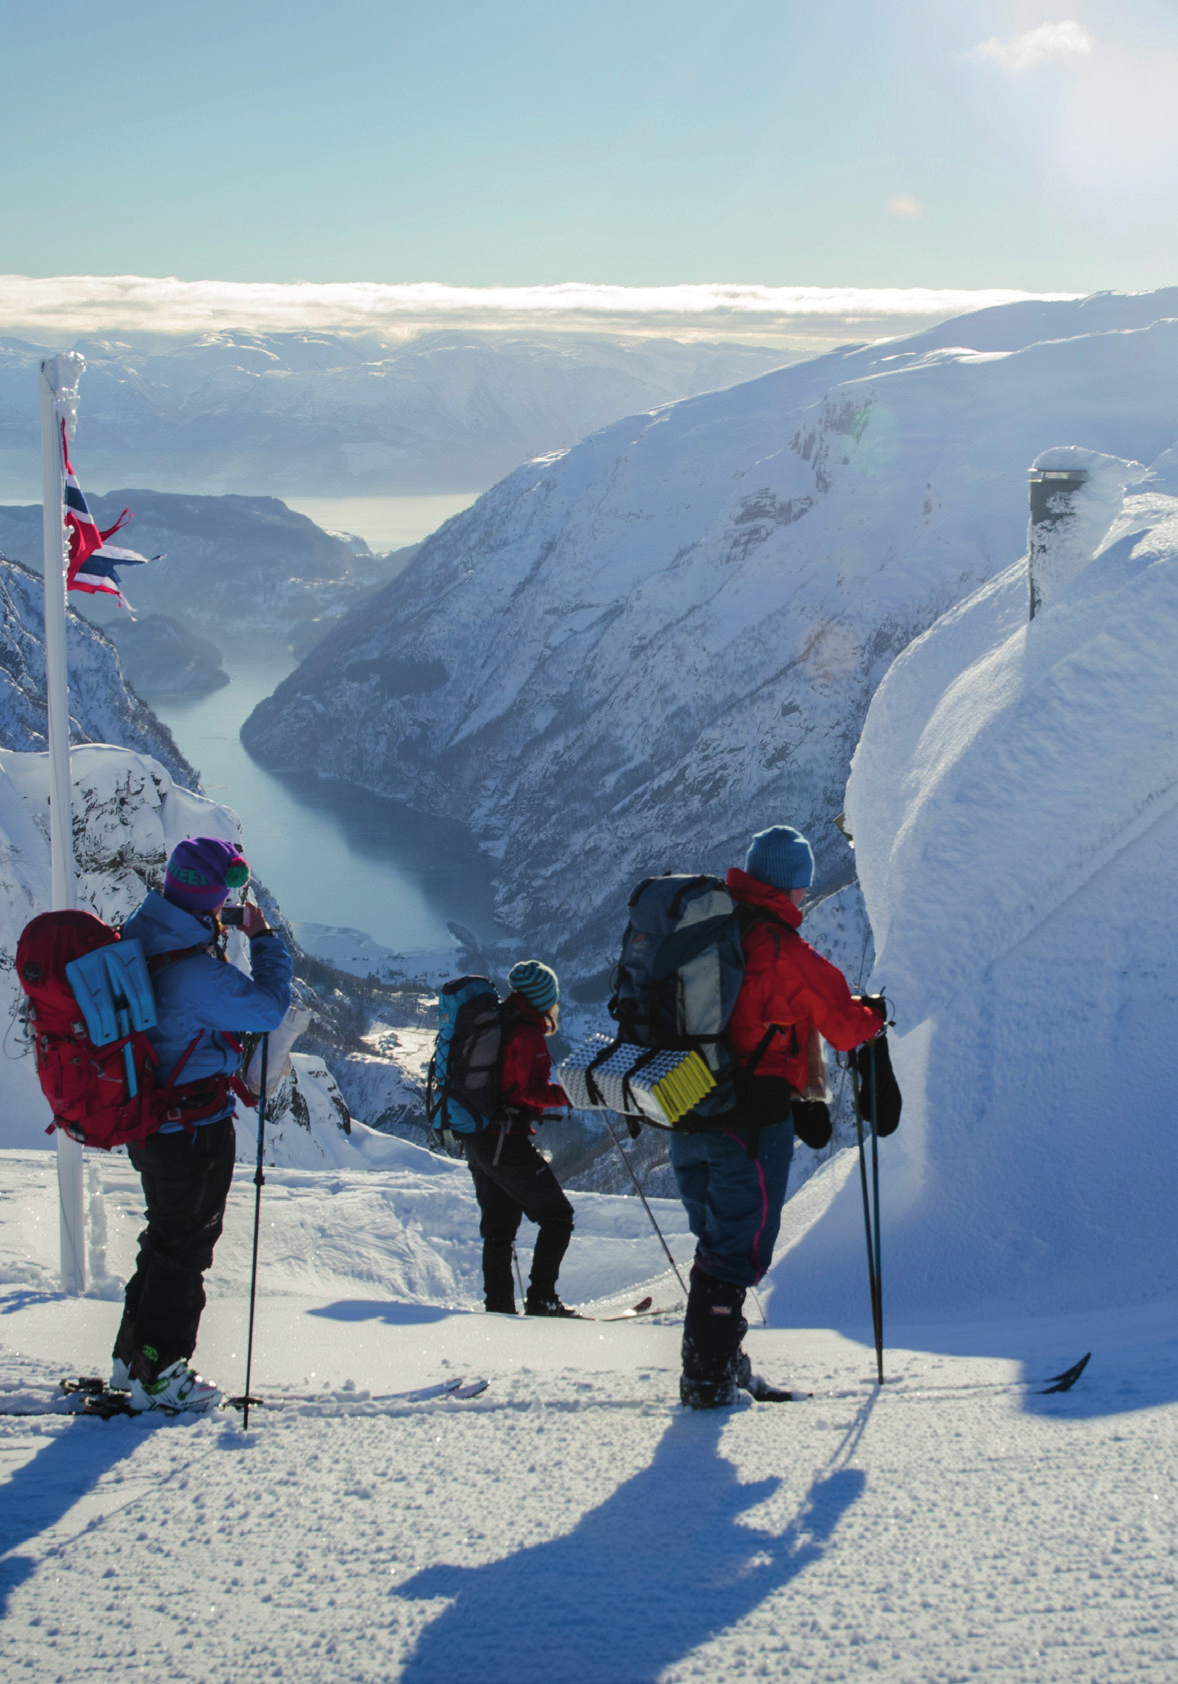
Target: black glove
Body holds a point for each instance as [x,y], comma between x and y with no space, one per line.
[879,1092]
[811,1118]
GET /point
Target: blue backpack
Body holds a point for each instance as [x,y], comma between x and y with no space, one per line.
[462,1086]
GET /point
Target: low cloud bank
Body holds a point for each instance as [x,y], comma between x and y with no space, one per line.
[58,307]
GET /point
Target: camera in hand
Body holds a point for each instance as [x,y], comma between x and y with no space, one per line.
[233,916]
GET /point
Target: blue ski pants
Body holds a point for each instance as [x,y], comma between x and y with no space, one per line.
[733,1202]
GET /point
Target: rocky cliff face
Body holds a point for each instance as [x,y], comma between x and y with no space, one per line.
[102,709]
[628,657]
[225,562]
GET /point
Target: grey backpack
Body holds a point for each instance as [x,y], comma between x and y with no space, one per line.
[678,977]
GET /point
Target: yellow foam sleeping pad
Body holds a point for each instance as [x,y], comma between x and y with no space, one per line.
[665,1088]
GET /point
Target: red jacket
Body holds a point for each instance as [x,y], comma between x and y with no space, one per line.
[525,1067]
[787,983]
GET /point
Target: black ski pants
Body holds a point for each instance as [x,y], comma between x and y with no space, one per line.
[186,1179]
[520,1184]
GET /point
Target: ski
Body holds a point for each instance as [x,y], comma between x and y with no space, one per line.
[458,1388]
[644,1307]
[640,1309]
[92,1385]
[97,1398]
[89,1395]
[1065,1381]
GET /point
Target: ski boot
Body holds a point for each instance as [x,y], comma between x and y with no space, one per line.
[710,1394]
[177,1389]
[550,1306]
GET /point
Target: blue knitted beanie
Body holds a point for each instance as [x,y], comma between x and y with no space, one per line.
[781,857]
[536,982]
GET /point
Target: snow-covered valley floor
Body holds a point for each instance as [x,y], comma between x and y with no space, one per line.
[572,1523]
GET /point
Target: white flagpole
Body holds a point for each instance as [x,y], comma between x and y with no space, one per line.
[59,392]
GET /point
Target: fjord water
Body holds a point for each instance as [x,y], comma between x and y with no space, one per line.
[332,854]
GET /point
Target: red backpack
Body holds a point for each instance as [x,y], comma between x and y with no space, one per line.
[96,1065]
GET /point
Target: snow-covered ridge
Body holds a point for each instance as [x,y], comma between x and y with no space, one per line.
[629,657]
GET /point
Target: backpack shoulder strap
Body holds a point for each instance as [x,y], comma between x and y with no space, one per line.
[509,1016]
[749,916]
[161,961]
[173,1079]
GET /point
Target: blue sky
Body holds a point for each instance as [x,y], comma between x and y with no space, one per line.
[867,143]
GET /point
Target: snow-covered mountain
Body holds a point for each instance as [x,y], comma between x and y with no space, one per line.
[102,709]
[226,563]
[321,414]
[162,658]
[1014,802]
[630,656]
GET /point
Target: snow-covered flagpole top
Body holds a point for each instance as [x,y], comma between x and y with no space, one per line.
[1053,493]
[1076,495]
[59,399]
[61,374]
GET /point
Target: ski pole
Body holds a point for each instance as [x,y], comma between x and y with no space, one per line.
[259,1180]
[873,1282]
[875,1196]
[642,1196]
[518,1271]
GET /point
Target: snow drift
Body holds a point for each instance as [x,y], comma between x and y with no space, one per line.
[1014,802]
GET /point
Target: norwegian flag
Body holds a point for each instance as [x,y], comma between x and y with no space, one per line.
[92,559]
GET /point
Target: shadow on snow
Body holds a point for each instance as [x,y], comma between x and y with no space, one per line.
[42,1492]
[667,1563]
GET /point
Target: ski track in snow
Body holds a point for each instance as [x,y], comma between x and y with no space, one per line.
[572,1523]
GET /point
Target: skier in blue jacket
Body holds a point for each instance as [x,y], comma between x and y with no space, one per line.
[202,1004]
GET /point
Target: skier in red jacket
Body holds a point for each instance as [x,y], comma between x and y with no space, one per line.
[733,1181]
[511,1178]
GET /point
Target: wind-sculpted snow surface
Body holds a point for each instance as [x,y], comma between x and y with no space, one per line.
[629,657]
[572,1524]
[1014,801]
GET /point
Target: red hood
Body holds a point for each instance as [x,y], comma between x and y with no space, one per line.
[750,891]
[521,1004]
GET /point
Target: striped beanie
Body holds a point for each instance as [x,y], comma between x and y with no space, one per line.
[536,982]
[201,872]
[781,857]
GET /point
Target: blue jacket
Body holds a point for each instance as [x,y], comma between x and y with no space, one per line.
[203,994]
